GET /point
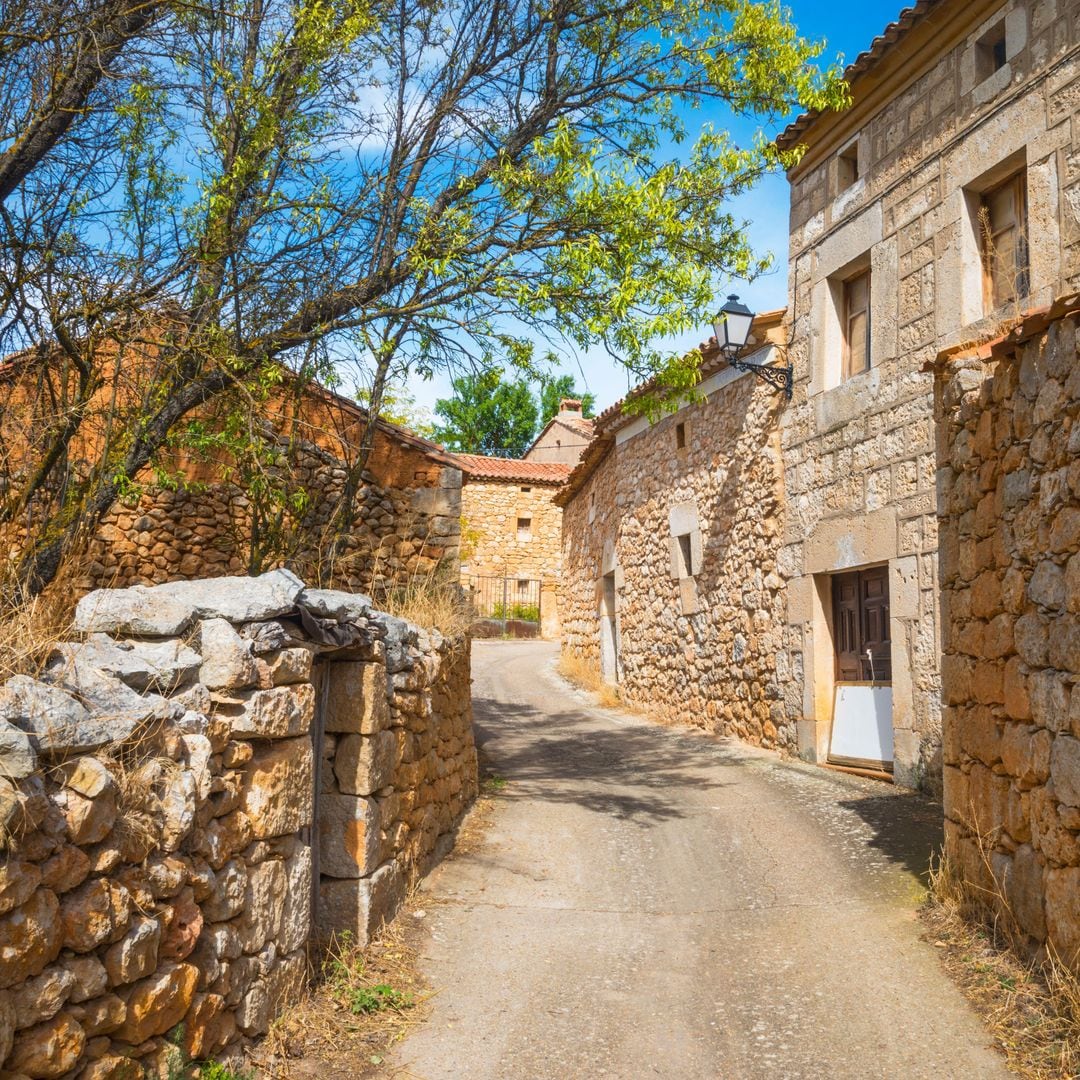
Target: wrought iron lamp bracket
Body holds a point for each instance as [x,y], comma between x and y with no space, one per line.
[777,376]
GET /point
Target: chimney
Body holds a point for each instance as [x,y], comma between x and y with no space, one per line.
[571,407]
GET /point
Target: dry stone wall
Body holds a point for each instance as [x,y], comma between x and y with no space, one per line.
[171,841]
[1009,444]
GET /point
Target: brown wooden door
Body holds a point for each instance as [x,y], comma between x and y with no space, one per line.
[861,625]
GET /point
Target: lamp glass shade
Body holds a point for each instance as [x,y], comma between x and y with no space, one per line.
[733,324]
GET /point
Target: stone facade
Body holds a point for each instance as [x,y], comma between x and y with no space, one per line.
[164,814]
[565,436]
[670,534]
[955,99]
[512,539]
[1010,567]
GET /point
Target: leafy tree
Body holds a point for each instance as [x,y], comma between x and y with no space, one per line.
[244,191]
[552,391]
[487,415]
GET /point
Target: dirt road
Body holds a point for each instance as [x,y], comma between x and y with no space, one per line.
[655,903]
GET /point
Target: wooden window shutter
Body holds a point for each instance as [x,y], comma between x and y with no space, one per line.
[1003,224]
[857,324]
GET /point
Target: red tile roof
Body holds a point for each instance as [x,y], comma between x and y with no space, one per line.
[480,467]
[864,62]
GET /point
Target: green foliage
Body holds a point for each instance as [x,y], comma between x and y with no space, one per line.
[524,612]
[372,999]
[487,415]
[214,1070]
[552,391]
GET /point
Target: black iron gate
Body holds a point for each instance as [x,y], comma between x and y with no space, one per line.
[505,606]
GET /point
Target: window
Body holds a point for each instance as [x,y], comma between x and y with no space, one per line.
[990,54]
[1003,237]
[680,436]
[526,489]
[685,557]
[523,587]
[847,167]
[524,528]
[856,324]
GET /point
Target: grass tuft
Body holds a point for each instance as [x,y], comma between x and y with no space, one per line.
[586,675]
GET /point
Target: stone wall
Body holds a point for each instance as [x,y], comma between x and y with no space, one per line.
[164,815]
[929,132]
[1009,440]
[698,644]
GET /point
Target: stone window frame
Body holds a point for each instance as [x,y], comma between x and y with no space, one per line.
[849,164]
[987,63]
[686,550]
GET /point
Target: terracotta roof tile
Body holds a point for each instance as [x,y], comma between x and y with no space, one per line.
[481,467]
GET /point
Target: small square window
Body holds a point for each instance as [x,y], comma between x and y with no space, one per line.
[847,167]
[524,528]
[990,55]
[856,324]
[523,586]
[526,489]
[680,436]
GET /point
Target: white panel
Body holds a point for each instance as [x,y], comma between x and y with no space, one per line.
[862,722]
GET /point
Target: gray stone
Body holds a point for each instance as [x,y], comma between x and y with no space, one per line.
[49,715]
[7,1023]
[296,917]
[1047,586]
[140,665]
[349,836]
[228,661]
[398,636]
[238,599]
[135,955]
[139,610]
[365,763]
[279,713]
[264,906]
[332,604]
[227,898]
[42,997]
[361,906]
[17,756]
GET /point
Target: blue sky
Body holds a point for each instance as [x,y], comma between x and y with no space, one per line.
[848,29]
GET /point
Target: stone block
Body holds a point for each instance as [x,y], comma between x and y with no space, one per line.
[1025,753]
[264,904]
[42,997]
[1063,913]
[1065,769]
[89,977]
[18,882]
[296,916]
[145,666]
[94,914]
[278,713]
[7,1024]
[18,758]
[1025,892]
[268,996]
[349,836]
[47,1050]
[135,955]
[30,938]
[227,897]
[139,611]
[290,666]
[365,763]
[1015,689]
[228,661]
[1047,586]
[356,699]
[276,788]
[1049,700]
[158,1003]
[361,906]
[333,604]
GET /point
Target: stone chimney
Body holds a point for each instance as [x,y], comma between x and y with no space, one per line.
[570,407]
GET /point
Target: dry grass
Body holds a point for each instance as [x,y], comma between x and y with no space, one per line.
[430,600]
[1030,1005]
[586,675]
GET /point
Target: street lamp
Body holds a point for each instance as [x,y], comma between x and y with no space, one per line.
[732,327]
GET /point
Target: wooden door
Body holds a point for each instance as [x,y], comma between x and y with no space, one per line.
[861,626]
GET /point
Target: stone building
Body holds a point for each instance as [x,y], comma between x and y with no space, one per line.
[511,539]
[1009,444]
[670,539]
[203,520]
[565,436]
[942,203]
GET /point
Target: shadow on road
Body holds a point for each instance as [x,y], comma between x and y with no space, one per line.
[907,828]
[627,772]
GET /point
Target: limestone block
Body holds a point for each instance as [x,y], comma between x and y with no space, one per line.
[227,898]
[296,916]
[139,610]
[89,977]
[1063,913]
[1025,753]
[159,666]
[94,914]
[1032,639]
[1048,832]
[135,955]
[205,1032]
[1049,700]
[30,938]
[17,755]
[349,836]
[356,699]
[228,661]
[1065,769]
[361,906]
[157,1003]
[264,905]
[1047,586]
[7,1024]
[18,882]
[278,713]
[365,763]
[333,604]
[42,997]
[177,806]
[1064,644]
[281,985]
[290,666]
[277,788]
[1025,892]
[49,1049]
[111,1067]
[1015,690]
[100,1016]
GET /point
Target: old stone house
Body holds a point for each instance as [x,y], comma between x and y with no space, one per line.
[204,520]
[511,540]
[670,539]
[565,436]
[939,206]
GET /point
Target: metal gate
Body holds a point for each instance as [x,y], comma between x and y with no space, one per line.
[505,606]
